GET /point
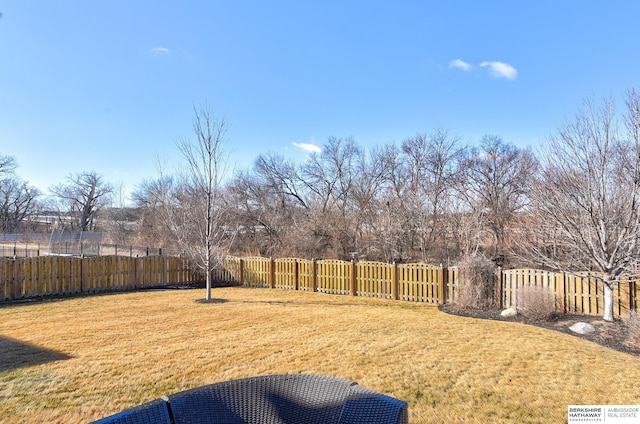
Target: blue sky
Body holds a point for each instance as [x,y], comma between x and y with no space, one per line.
[108,85]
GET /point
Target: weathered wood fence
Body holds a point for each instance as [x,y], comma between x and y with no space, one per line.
[61,275]
[580,293]
[410,282]
[421,282]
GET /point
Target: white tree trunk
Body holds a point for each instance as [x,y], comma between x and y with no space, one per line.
[608,301]
[208,279]
[208,297]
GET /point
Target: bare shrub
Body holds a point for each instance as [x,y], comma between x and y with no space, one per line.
[476,284]
[536,303]
[633,329]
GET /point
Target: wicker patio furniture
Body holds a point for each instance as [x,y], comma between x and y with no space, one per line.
[276,399]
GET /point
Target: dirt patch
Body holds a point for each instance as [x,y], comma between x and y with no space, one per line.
[613,335]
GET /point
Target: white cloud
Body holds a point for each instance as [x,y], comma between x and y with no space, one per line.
[160,51]
[501,70]
[460,64]
[308,147]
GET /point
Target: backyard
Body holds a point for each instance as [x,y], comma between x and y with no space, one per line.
[76,360]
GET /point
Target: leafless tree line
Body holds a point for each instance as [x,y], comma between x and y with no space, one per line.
[431,198]
[571,205]
[18,199]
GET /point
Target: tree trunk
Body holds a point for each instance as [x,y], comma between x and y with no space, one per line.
[608,300]
[208,278]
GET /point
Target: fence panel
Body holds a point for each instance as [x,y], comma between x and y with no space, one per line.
[625,297]
[575,293]
[420,283]
[513,281]
[6,279]
[451,284]
[221,274]
[129,271]
[333,276]
[286,273]
[143,272]
[41,276]
[627,294]
[26,270]
[64,275]
[374,279]
[304,274]
[176,271]
[231,266]
[69,275]
[93,271]
[256,272]
[152,271]
[147,264]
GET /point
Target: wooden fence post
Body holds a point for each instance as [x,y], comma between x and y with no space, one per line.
[241,271]
[82,275]
[165,269]
[560,292]
[443,284]
[136,272]
[352,285]
[313,270]
[499,288]
[632,296]
[272,273]
[394,281]
[14,288]
[296,282]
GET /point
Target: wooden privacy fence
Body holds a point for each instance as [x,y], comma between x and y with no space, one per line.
[574,293]
[63,275]
[411,282]
[423,283]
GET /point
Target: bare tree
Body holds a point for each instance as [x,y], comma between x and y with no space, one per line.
[152,198]
[467,225]
[368,200]
[281,176]
[81,198]
[8,165]
[196,208]
[432,163]
[497,180]
[269,208]
[399,206]
[326,206]
[18,200]
[119,217]
[588,196]
[329,180]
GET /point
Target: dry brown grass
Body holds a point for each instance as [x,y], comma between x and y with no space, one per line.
[110,352]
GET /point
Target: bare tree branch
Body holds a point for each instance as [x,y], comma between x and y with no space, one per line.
[196,209]
[588,196]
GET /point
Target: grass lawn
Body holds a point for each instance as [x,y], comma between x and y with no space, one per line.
[79,359]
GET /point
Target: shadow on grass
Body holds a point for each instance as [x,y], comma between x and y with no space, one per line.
[205,301]
[15,354]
